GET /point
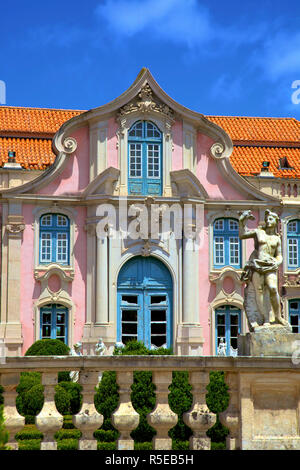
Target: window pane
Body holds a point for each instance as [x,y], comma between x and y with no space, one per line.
[46,220]
[62,247]
[219,250]
[62,221]
[153,151]
[157,299]
[151,130]
[46,331]
[129,299]
[46,247]
[219,224]
[233,225]
[135,160]
[293,251]
[129,315]
[234,250]
[292,227]
[129,328]
[136,130]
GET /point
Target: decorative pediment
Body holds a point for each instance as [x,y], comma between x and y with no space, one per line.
[146,102]
[186,184]
[103,184]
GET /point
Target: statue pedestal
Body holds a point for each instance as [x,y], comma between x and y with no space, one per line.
[273,340]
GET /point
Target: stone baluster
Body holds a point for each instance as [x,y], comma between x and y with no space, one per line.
[14,422]
[162,418]
[125,419]
[199,418]
[230,417]
[49,420]
[88,419]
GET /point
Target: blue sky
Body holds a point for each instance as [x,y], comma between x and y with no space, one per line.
[217,58]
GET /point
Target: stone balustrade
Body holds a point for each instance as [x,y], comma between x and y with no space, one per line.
[263,410]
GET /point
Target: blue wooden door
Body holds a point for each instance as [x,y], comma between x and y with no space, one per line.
[145,302]
[144,159]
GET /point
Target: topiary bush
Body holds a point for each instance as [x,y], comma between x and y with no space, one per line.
[217,400]
[48,347]
[30,397]
[3,432]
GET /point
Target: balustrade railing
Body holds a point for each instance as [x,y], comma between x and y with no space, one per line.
[125,419]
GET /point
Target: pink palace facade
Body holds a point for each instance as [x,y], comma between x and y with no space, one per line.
[59,279]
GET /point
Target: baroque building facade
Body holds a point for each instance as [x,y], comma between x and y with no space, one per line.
[63,172]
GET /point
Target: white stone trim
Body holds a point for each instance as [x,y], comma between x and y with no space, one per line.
[98,148]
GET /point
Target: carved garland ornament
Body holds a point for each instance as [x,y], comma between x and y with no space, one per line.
[145,104]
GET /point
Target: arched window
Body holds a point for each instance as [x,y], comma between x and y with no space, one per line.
[228,326]
[144,159]
[54,322]
[227,245]
[54,239]
[294,314]
[293,243]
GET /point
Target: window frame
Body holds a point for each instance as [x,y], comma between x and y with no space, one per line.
[54,311]
[293,236]
[54,230]
[140,185]
[228,310]
[227,234]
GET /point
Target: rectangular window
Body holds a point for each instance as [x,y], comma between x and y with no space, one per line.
[234,250]
[219,224]
[135,160]
[129,325]
[233,225]
[219,250]
[62,247]
[293,251]
[46,247]
[292,227]
[153,154]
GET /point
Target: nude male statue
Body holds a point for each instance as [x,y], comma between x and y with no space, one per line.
[263,265]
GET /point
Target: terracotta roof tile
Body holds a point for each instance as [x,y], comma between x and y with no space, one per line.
[260,130]
[40,121]
[28,132]
[32,154]
[248,160]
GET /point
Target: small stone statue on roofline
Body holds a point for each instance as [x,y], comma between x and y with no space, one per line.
[262,299]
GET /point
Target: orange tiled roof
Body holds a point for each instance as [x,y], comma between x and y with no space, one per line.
[33,121]
[278,131]
[28,132]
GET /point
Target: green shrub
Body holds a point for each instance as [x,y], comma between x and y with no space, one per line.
[180,445]
[29,419]
[32,444]
[62,400]
[106,436]
[33,400]
[1,395]
[106,445]
[73,390]
[48,347]
[29,433]
[3,432]
[67,444]
[67,434]
[107,398]
[217,400]
[218,446]
[143,446]
[180,401]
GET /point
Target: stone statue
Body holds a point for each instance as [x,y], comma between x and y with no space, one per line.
[75,351]
[100,348]
[221,348]
[262,300]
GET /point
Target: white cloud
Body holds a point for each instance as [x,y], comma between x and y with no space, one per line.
[281,56]
[181,21]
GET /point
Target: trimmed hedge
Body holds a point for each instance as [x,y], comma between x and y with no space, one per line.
[3,432]
[48,347]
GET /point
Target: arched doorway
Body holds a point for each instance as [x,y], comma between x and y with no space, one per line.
[145,292]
